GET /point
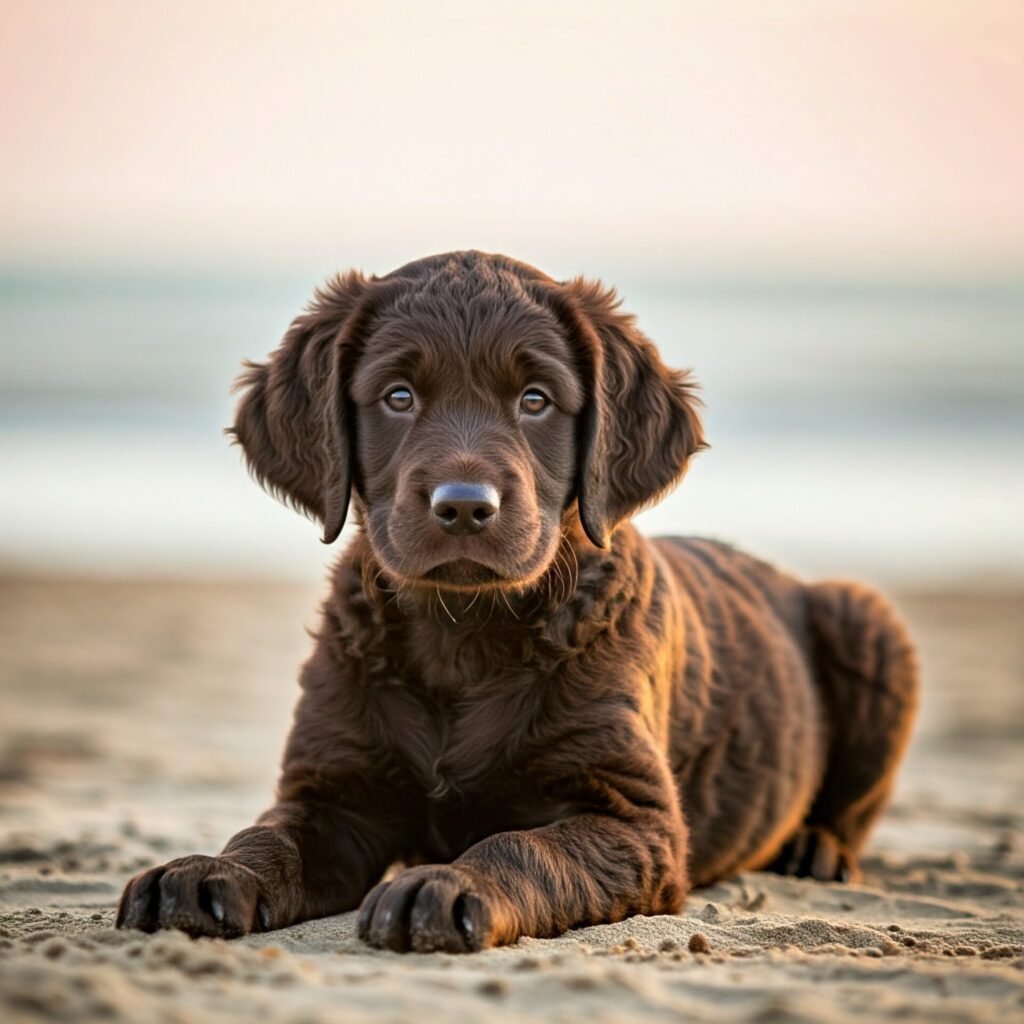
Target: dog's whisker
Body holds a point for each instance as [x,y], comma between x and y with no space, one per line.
[574,572]
[445,607]
[556,574]
[508,605]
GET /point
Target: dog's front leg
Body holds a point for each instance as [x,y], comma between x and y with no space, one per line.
[623,853]
[340,821]
[301,860]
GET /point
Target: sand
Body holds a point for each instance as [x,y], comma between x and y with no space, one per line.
[141,721]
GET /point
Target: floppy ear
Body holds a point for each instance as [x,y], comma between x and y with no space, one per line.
[641,423]
[291,420]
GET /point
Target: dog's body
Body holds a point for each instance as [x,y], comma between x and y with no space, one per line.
[560,722]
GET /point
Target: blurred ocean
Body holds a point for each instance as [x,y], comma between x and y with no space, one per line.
[876,431]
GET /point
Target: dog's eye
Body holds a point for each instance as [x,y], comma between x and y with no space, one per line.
[399,399]
[533,402]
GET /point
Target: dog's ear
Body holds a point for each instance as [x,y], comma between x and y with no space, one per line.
[291,421]
[641,423]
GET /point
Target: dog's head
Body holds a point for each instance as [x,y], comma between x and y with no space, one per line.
[472,408]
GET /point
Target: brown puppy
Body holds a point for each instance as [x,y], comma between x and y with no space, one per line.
[557,721]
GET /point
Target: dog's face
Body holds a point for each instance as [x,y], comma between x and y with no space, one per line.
[465,424]
[475,410]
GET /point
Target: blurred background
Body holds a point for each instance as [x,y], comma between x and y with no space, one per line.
[819,206]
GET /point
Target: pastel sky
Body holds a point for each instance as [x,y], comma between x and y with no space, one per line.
[817,134]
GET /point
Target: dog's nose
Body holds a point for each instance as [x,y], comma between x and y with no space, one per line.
[464,508]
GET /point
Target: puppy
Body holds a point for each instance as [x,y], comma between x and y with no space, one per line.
[536,717]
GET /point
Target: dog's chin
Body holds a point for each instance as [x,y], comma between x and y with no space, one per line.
[465,574]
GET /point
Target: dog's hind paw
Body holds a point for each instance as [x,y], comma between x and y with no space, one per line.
[815,852]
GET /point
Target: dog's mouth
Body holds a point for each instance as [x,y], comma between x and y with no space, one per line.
[463,572]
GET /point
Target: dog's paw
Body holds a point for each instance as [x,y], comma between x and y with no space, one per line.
[198,895]
[434,908]
[814,852]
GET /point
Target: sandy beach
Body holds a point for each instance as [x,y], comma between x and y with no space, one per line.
[143,720]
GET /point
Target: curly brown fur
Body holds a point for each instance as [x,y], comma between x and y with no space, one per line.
[551,720]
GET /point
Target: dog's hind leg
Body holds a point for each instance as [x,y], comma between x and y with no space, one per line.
[866,668]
